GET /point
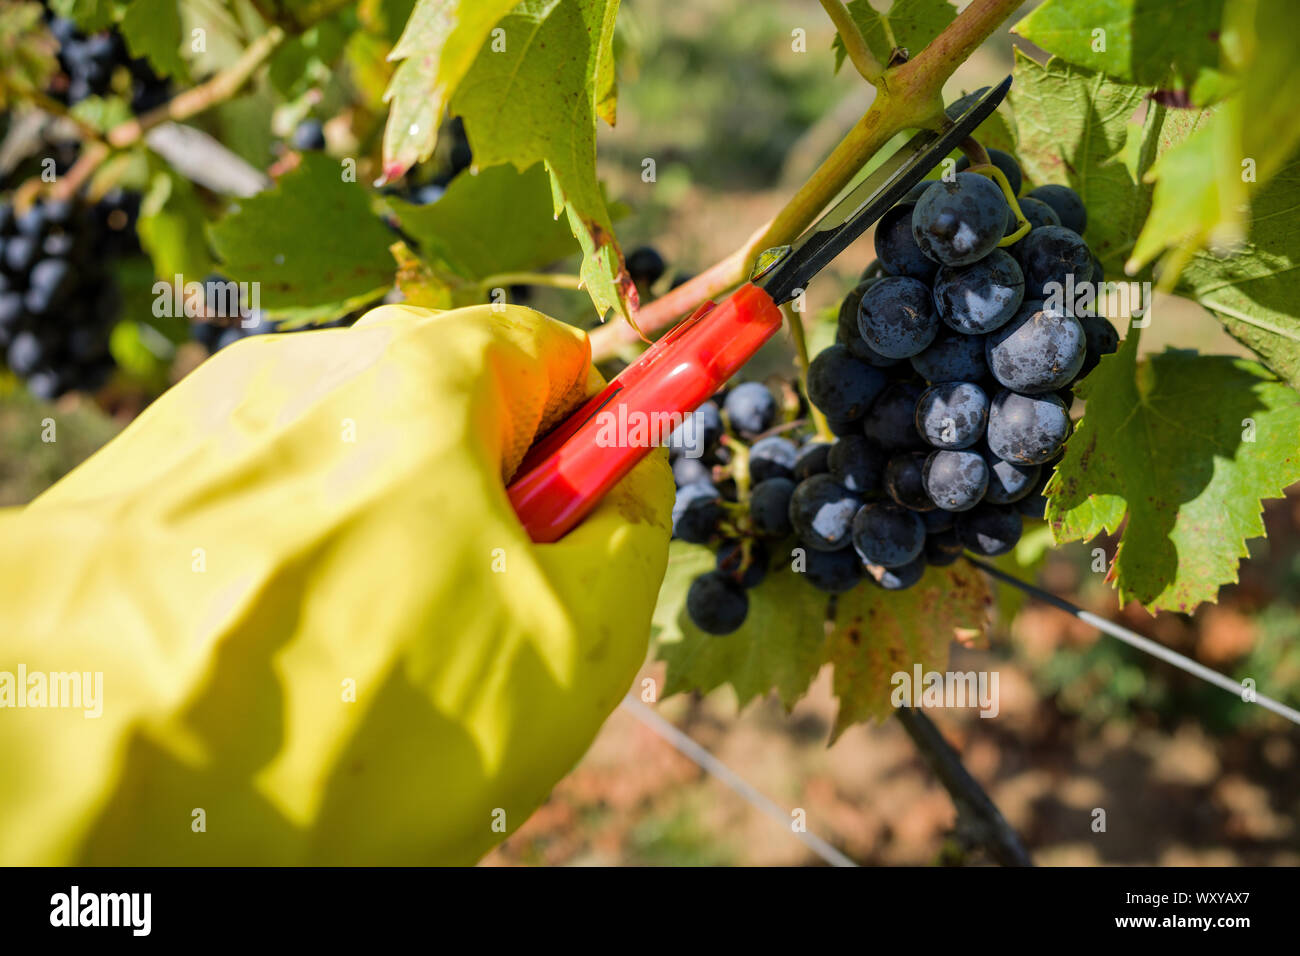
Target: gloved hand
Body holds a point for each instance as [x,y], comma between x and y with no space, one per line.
[323,635]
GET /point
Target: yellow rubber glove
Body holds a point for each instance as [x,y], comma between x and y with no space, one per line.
[323,635]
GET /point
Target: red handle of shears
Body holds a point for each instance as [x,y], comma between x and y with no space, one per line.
[565,474]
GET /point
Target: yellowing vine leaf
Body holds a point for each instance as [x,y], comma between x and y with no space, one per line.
[437,48]
[787,638]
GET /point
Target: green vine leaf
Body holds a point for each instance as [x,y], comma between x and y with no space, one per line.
[497,221]
[312,242]
[1254,292]
[27,51]
[537,100]
[1131,40]
[1075,128]
[1205,186]
[89,15]
[786,638]
[152,30]
[171,227]
[437,48]
[1177,449]
[909,24]
[781,645]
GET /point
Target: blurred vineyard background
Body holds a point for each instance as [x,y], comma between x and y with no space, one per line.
[734,118]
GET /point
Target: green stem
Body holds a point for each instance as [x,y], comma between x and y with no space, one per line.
[218,89]
[855,45]
[553,279]
[910,96]
[801,357]
[739,466]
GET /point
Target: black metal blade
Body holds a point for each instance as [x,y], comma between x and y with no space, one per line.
[785,271]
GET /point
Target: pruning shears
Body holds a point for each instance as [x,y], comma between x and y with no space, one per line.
[569,470]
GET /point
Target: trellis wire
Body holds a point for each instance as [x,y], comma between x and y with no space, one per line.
[746,791]
[1144,644]
[1001,838]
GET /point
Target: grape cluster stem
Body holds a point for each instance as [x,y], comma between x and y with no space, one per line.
[909,97]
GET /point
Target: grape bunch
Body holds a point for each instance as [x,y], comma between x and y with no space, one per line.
[948,392]
[227,318]
[58,301]
[99,65]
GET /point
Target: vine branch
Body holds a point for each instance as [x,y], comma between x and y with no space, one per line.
[855,45]
[973,803]
[221,87]
[910,97]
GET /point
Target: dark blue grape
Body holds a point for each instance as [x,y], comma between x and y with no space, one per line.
[897,579]
[1037,212]
[905,482]
[980,297]
[1040,350]
[842,386]
[430,193]
[952,415]
[956,480]
[1066,203]
[842,428]
[716,604]
[1027,429]
[25,354]
[944,547]
[229,337]
[772,457]
[821,511]
[887,534]
[696,513]
[834,572]
[769,507]
[698,433]
[936,519]
[959,222]
[749,571]
[11,309]
[1034,504]
[989,530]
[891,421]
[858,464]
[59,245]
[309,135]
[1003,161]
[20,254]
[897,317]
[52,276]
[32,223]
[690,471]
[849,335]
[896,248]
[750,408]
[1008,481]
[952,357]
[645,265]
[813,459]
[1054,259]
[1100,339]
[46,384]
